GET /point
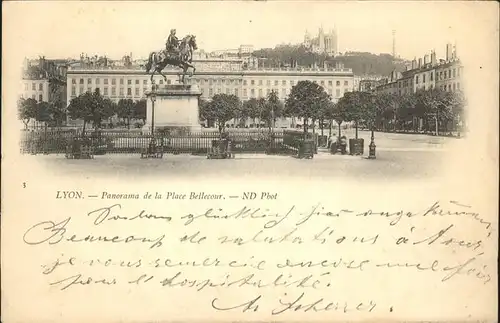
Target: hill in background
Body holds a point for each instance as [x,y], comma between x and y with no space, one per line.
[362,63]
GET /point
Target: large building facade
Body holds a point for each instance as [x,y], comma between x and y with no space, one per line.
[426,73]
[212,77]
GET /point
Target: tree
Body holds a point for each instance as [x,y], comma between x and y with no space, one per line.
[125,110]
[304,98]
[204,112]
[57,113]
[250,109]
[381,109]
[340,113]
[435,105]
[222,108]
[321,109]
[140,108]
[90,107]
[273,109]
[357,107]
[26,110]
[405,109]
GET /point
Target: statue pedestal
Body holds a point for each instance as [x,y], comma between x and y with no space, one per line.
[175,107]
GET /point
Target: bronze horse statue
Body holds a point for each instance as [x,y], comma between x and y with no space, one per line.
[183,58]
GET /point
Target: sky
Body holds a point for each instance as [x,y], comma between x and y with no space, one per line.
[66,29]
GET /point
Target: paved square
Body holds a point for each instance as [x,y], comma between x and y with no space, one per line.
[399,156]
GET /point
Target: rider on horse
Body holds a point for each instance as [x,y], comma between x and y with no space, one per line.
[172,45]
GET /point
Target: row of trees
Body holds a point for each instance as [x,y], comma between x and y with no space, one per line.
[224,107]
[53,114]
[309,102]
[90,107]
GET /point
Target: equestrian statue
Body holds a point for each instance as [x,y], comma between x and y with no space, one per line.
[176,53]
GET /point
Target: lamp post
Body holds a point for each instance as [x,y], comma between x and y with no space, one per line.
[153,100]
[372,146]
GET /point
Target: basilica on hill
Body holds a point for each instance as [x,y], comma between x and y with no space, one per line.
[323,43]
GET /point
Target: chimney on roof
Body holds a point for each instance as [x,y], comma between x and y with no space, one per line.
[419,62]
[414,64]
[448,52]
[426,59]
[433,58]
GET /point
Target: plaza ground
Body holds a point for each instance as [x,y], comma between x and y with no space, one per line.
[399,156]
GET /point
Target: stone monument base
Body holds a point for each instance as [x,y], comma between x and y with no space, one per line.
[175,109]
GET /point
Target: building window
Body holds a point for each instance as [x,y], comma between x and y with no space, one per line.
[113,91]
[121,81]
[33,86]
[449,87]
[136,91]
[276,83]
[292,83]
[445,73]
[136,81]
[169,81]
[145,82]
[454,73]
[129,91]
[322,82]
[330,83]
[81,90]
[33,97]
[97,81]
[245,93]
[105,91]
[218,90]
[211,92]
[432,76]
[89,89]
[346,83]
[81,81]
[122,91]
[73,90]
[252,93]
[73,81]
[245,82]
[89,81]
[161,81]
[113,81]
[252,82]
[283,83]
[423,78]
[228,91]
[268,82]
[454,87]
[40,98]
[236,92]
[129,82]
[416,79]
[105,81]
[337,83]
